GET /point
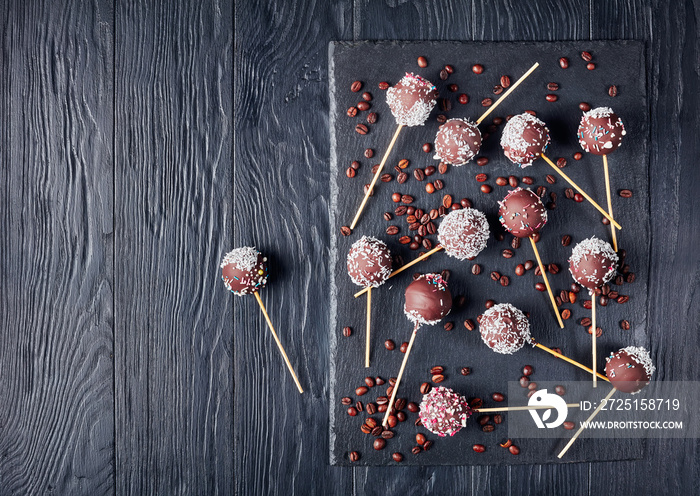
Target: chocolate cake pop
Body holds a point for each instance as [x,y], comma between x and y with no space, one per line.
[522,213]
[428,299]
[369,262]
[457,142]
[244,270]
[444,412]
[411,100]
[464,233]
[629,369]
[593,263]
[600,131]
[504,328]
[524,139]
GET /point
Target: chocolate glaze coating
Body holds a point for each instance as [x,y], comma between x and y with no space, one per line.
[593,262]
[522,213]
[411,100]
[444,412]
[428,299]
[600,131]
[244,270]
[504,328]
[629,369]
[369,262]
[464,233]
[457,141]
[524,139]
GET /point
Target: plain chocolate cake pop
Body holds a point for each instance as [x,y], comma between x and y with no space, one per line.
[464,233]
[411,100]
[244,270]
[504,328]
[369,262]
[593,263]
[457,142]
[444,412]
[524,139]
[600,131]
[428,299]
[522,213]
[629,369]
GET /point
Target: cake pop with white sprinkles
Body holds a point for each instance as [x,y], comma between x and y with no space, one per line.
[369,262]
[444,412]
[244,270]
[464,233]
[524,139]
[504,328]
[457,142]
[522,213]
[600,131]
[411,100]
[428,299]
[629,369]
[593,263]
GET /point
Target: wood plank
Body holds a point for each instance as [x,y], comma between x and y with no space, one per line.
[671,465]
[56,251]
[173,336]
[541,20]
[281,203]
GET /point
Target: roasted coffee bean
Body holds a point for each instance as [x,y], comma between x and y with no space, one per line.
[401,416]
[433,214]
[383,85]
[345,231]
[469,324]
[585,322]
[371,409]
[519,270]
[486,102]
[497,397]
[363,106]
[392,230]
[552,86]
[425,219]
[513,181]
[403,347]
[514,450]
[568,425]
[540,286]
[358,406]
[561,163]
[386,178]
[541,191]
[352,112]
[416,449]
[489,304]
[372,118]
[438,184]
[347,331]
[501,181]
[566,240]
[453,88]
[382,400]
[625,193]
[479,448]
[392,421]
[505,81]
[498,89]
[379,444]
[524,381]
[397,457]
[584,106]
[551,179]
[438,378]
[560,390]
[488,428]
[590,66]
[563,62]
[505,281]
[361,129]
[564,295]
[422,62]
[414,245]
[578,198]
[350,172]
[354,456]
[419,174]
[422,231]
[432,229]
[477,68]
[449,325]
[623,299]
[412,407]
[388,216]
[485,188]
[476,403]
[557,301]
[402,177]
[553,268]
[515,243]
[430,188]
[603,301]
[484,419]
[598,331]
[612,91]
[346,401]
[498,418]
[476,269]
[400,404]
[389,344]
[529,264]
[551,97]
[463,98]
[369,381]
[356,86]
[630,278]
[481,177]
[625,325]
[495,276]
[569,193]
[532,386]
[444,74]
[362,390]
[578,156]
[465,371]
[425,388]
[528,180]
[352,411]
[442,168]
[507,253]
[406,199]
[586,56]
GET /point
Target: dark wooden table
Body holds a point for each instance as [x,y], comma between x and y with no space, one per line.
[139,141]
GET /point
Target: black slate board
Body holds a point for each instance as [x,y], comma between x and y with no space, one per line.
[620,63]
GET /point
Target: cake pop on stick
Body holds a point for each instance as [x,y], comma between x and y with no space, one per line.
[593,263]
[244,271]
[428,300]
[463,234]
[600,133]
[445,412]
[525,139]
[629,370]
[410,100]
[459,140]
[369,265]
[523,215]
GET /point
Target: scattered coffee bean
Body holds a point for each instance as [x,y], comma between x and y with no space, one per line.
[352,112]
[463,98]
[551,97]
[407,199]
[495,276]
[448,325]
[476,269]
[532,386]
[563,62]
[352,411]
[356,86]
[438,378]
[363,106]
[578,198]
[485,188]
[612,91]
[430,188]
[590,66]
[392,230]
[524,381]
[361,129]
[421,439]
[422,62]
[566,240]
[469,324]
[383,85]
[497,397]
[425,388]
[514,450]
[625,325]
[347,331]
[505,281]
[598,331]
[498,89]
[568,425]
[501,181]
[442,168]
[465,371]
[479,448]
[529,264]
[354,456]
[403,347]
[560,390]
[481,177]
[372,118]
[540,286]
[623,299]
[505,81]
[486,102]
[397,457]
[586,56]
[528,180]
[477,68]
[625,193]
[350,172]
[584,106]
[439,184]
[488,428]
[412,407]
[386,178]
[379,444]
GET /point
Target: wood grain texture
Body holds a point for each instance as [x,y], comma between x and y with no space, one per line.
[671,466]
[173,336]
[281,205]
[56,315]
